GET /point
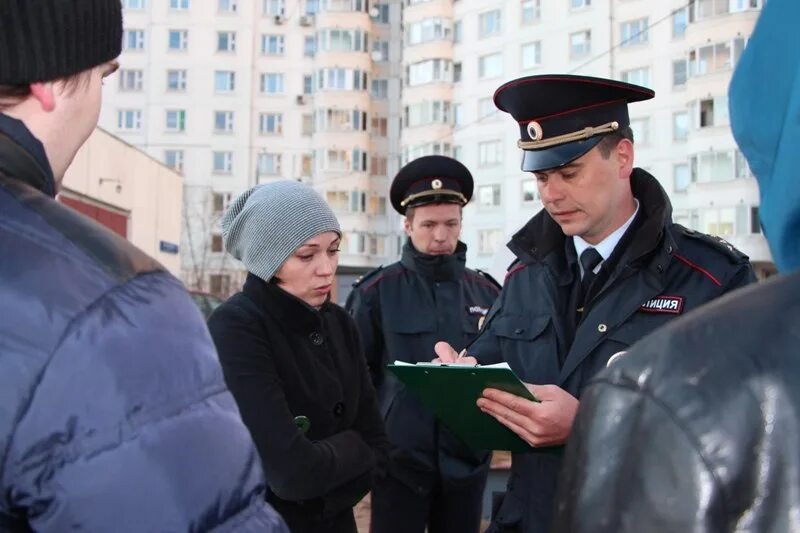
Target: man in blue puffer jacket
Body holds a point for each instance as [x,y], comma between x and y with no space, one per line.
[113,412]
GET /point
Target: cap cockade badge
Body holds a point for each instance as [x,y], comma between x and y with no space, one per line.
[436,184]
[535,130]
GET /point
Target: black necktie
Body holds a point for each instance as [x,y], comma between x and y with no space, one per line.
[590,258]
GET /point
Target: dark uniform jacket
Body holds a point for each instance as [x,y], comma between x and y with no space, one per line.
[704,417]
[402,311]
[113,411]
[283,359]
[658,271]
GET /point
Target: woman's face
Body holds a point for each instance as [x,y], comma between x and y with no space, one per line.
[308,273]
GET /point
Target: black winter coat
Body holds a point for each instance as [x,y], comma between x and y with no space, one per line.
[283,359]
[401,312]
[697,428]
[659,271]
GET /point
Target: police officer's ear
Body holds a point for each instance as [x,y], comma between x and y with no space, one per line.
[624,152]
[409,220]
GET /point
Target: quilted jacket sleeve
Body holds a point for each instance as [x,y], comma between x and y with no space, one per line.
[129,426]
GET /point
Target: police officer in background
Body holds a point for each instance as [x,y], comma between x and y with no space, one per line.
[598,268]
[434,479]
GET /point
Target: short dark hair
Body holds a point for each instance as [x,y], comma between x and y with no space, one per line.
[610,141]
[13,94]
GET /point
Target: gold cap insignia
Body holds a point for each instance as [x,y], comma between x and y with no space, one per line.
[436,184]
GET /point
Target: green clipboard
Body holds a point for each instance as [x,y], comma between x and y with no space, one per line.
[450,392]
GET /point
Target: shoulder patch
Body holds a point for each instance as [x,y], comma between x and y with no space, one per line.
[366,277]
[716,243]
[488,278]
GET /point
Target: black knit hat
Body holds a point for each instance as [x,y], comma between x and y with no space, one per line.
[43,40]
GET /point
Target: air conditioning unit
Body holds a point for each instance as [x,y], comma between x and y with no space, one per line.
[301,99]
[279,19]
[373,12]
[306,20]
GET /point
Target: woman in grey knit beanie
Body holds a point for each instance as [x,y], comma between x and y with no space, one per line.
[293,359]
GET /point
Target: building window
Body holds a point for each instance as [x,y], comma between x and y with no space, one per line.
[341,79]
[755,220]
[216,243]
[579,4]
[308,84]
[307,125]
[273,45]
[135,4]
[531,54]
[702,9]
[680,21]
[382,13]
[530,191]
[531,11]
[718,166]
[131,80]
[490,153]
[227,6]
[306,164]
[219,284]
[457,72]
[174,159]
[426,112]
[427,30]
[309,46]
[176,80]
[428,71]
[224,81]
[175,120]
[178,39]
[580,44]
[380,89]
[270,123]
[490,66]
[709,112]
[223,121]
[226,41]
[133,40]
[489,240]
[380,50]
[340,40]
[679,73]
[377,166]
[489,195]
[179,4]
[719,57]
[220,201]
[721,222]
[380,126]
[129,119]
[681,178]
[457,32]
[489,23]
[633,32]
[458,114]
[269,164]
[273,7]
[222,162]
[272,83]
[360,163]
[637,76]
[680,126]
[641,130]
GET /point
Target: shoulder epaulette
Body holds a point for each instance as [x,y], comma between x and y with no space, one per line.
[366,277]
[717,243]
[488,277]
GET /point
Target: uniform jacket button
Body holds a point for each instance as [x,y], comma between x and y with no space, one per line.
[338,409]
[518,331]
[602,328]
[316,339]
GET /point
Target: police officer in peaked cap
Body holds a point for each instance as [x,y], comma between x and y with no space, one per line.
[435,480]
[599,267]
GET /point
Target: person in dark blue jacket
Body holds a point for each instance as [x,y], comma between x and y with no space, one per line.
[601,266]
[697,428]
[434,480]
[113,412]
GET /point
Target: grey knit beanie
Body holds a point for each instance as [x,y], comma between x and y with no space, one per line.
[267,223]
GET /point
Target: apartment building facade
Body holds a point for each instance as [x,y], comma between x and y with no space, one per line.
[233,93]
[685,51]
